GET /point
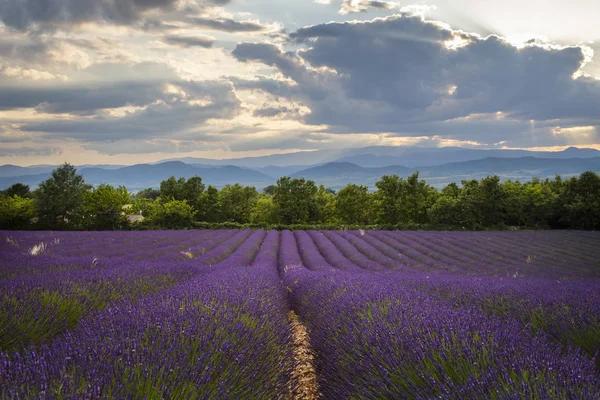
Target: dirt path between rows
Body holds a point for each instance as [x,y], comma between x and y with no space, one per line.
[304,376]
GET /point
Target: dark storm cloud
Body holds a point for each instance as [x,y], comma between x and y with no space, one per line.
[385,74]
[227,25]
[79,99]
[270,112]
[24,50]
[30,151]
[186,105]
[189,41]
[149,146]
[25,14]
[301,141]
[349,7]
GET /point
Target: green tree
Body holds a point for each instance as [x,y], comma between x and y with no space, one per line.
[148,193]
[353,204]
[580,202]
[270,190]
[238,202]
[143,206]
[416,197]
[16,212]
[446,210]
[492,200]
[209,207]
[389,189]
[171,214]
[18,189]
[59,198]
[326,207]
[181,189]
[104,207]
[172,189]
[483,203]
[192,191]
[295,200]
[265,212]
[403,200]
[529,204]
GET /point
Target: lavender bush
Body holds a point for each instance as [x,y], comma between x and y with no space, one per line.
[205,314]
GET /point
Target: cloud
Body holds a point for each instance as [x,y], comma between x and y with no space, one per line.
[278,111]
[128,146]
[177,109]
[227,24]
[189,41]
[354,6]
[36,150]
[8,72]
[80,99]
[392,74]
[298,141]
[25,15]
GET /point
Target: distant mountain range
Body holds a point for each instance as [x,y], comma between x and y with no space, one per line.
[141,176]
[339,174]
[383,156]
[363,166]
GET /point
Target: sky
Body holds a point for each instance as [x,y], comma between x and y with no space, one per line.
[133,81]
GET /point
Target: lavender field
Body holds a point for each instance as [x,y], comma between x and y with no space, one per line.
[216,315]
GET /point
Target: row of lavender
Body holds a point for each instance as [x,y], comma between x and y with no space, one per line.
[428,313]
[423,335]
[217,329]
[552,254]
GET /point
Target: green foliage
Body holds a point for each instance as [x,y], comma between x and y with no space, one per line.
[59,198]
[209,206]
[148,193]
[270,190]
[353,205]
[482,202]
[181,189]
[17,189]
[415,199]
[389,189]
[16,212]
[447,210]
[580,202]
[401,200]
[171,214]
[142,207]
[295,200]
[265,212]
[529,204]
[326,206]
[104,208]
[64,201]
[237,202]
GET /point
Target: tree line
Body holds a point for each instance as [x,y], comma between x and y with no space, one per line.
[66,201]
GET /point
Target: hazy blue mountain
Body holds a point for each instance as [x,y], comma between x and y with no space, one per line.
[31,180]
[301,158]
[277,172]
[338,174]
[528,166]
[9,170]
[333,174]
[141,176]
[417,157]
[381,156]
